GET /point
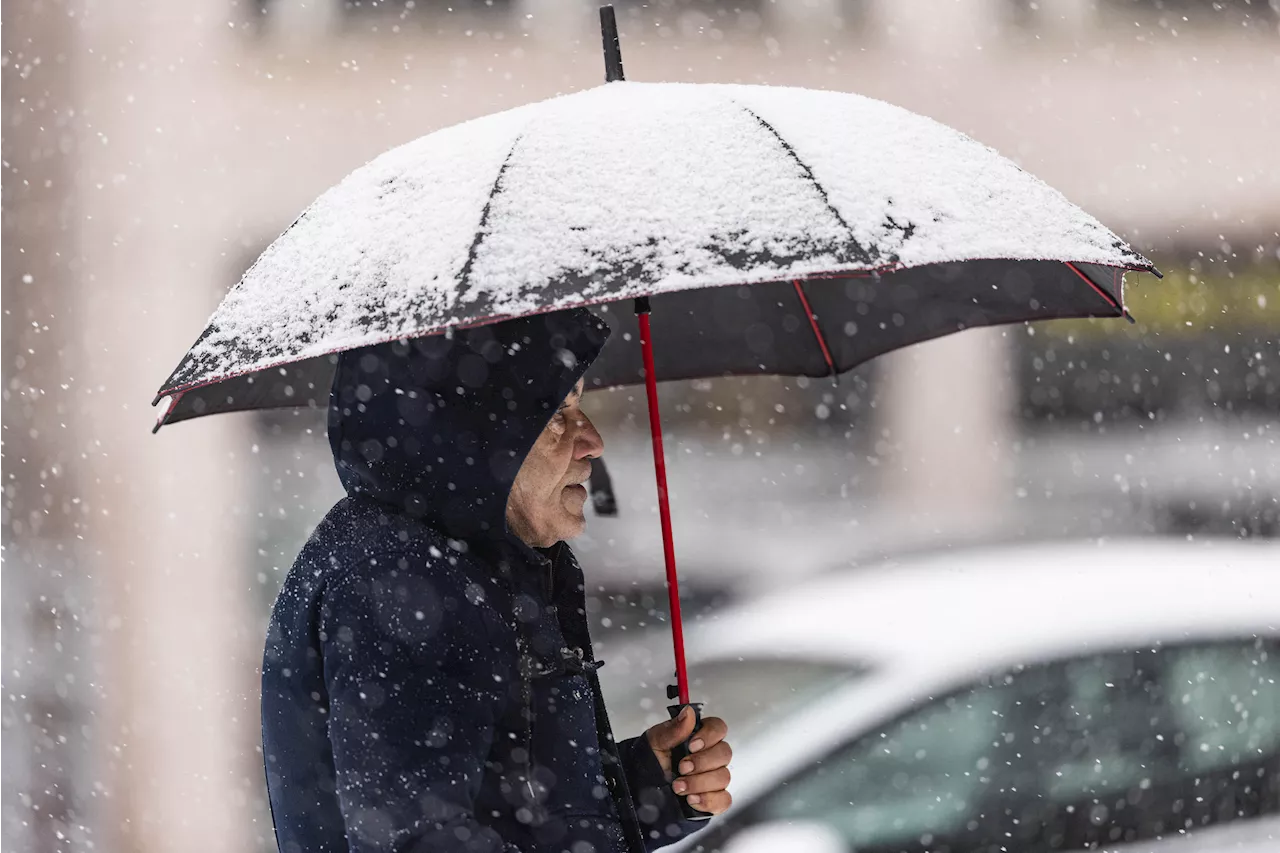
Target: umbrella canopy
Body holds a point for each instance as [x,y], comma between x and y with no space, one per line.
[778,230]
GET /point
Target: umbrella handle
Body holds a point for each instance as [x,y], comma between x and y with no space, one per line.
[681,751]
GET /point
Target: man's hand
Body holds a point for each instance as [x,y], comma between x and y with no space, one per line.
[704,775]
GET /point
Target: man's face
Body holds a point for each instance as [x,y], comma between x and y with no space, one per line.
[549,492]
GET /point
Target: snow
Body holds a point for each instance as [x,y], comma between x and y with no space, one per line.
[624,189]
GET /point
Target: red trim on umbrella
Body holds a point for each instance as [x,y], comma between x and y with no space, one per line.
[611,298]
[664,507]
[813,323]
[1111,300]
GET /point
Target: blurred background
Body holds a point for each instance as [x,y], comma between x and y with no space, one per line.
[152,150]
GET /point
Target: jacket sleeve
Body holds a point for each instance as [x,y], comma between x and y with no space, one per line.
[414,697]
[657,806]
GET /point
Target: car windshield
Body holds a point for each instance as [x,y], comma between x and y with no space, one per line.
[749,693]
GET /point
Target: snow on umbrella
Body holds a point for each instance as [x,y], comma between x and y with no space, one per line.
[772,230]
[872,226]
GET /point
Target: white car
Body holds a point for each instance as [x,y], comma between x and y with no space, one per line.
[1123,695]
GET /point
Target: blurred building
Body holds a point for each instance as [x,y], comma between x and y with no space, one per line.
[152,149]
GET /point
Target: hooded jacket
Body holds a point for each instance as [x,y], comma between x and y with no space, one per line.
[428,682]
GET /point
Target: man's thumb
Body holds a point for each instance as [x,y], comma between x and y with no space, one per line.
[676,731]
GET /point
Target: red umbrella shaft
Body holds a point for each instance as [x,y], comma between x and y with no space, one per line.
[664,507]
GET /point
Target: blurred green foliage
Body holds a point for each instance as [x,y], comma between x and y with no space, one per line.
[1187,303]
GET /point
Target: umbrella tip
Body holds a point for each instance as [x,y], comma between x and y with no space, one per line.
[612,46]
[1128,316]
[1155,272]
[171,403]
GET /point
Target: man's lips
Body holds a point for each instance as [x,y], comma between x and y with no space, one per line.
[579,481]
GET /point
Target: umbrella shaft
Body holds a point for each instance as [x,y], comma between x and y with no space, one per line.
[664,507]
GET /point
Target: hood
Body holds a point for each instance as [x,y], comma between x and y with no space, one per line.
[437,427]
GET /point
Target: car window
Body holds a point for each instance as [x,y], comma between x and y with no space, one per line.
[920,778]
[1225,702]
[1111,748]
[751,693]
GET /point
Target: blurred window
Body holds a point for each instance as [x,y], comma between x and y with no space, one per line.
[430,7]
[751,18]
[400,11]
[720,7]
[1118,747]
[1193,7]
[920,778]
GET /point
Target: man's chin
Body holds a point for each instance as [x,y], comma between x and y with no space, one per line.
[575,518]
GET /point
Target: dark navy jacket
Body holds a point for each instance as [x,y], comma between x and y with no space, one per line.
[428,682]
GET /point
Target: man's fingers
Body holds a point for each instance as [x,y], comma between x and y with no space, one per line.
[701,783]
[713,731]
[715,802]
[666,736]
[711,758]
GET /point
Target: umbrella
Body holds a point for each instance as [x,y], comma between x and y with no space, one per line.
[771,230]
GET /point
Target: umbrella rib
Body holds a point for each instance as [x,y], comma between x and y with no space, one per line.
[464,276]
[817,331]
[808,173]
[1111,300]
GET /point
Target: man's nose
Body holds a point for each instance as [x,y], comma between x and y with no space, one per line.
[587,442]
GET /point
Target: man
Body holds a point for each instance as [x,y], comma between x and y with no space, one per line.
[429,682]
